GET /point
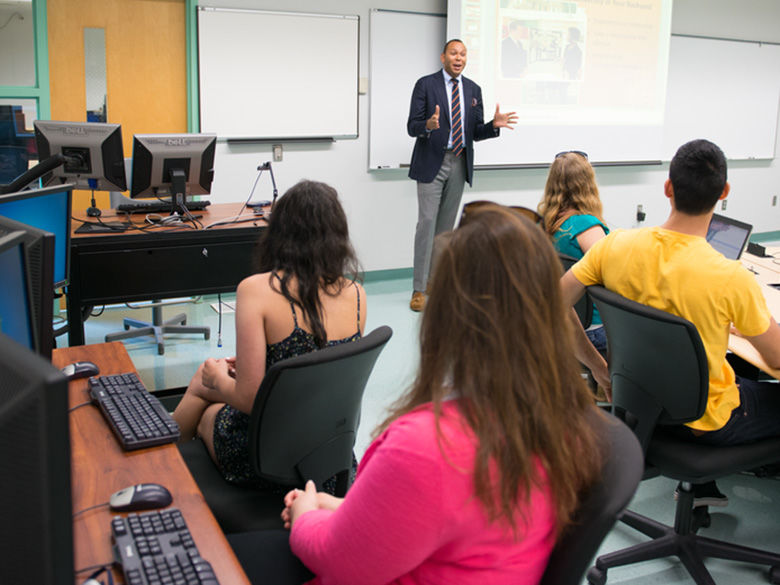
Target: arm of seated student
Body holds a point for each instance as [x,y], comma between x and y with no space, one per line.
[589,237]
[768,344]
[390,522]
[583,348]
[239,389]
[323,502]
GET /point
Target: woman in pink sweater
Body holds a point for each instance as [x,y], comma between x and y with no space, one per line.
[478,468]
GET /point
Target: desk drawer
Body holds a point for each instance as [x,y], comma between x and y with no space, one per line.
[128,274]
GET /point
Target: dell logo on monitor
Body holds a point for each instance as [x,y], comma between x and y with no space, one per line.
[75,130]
[177,142]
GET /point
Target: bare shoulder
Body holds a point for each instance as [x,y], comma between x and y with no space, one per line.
[256,286]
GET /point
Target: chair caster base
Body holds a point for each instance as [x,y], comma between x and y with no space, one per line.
[774,574]
[596,576]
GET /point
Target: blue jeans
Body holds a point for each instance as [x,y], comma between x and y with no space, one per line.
[598,337]
[756,417]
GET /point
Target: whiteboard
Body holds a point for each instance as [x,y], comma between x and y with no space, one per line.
[725,91]
[394,68]
[277,74]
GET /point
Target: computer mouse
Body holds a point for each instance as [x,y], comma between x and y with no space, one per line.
[144,496]
[78,370]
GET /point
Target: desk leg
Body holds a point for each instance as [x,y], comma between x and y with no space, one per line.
[75,319]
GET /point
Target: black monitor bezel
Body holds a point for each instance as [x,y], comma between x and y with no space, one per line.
[736,223]
[38,242]
[30,193]
[17,239]
[44,552]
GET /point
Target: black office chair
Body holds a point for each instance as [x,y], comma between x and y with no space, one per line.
[584,306]
[601,506]
[303,426]
[659,375]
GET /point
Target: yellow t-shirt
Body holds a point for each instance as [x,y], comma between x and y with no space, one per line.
[683,275]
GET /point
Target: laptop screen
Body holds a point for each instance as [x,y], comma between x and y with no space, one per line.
[728,236]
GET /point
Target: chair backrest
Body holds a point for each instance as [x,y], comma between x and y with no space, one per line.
[583,307]
[657,363]
[473,205]
[306,414]
[601,506]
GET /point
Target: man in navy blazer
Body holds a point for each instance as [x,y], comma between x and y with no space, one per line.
[442,161]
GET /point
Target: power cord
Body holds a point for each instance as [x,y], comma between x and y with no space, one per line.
[219,326]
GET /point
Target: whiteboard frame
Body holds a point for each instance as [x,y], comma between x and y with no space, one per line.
[234,100]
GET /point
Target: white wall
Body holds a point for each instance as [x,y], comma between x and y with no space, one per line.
[382,205]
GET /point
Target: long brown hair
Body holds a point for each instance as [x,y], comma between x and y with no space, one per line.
[570,189]
[495,332]
[307,240]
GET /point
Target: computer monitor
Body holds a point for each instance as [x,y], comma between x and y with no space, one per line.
[39,254]
[15,144]
[728,236]
[178,165]
[36,532]
[47,209]
[16,313]
[94,153]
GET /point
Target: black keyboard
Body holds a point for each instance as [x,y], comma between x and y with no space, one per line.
[137,418]
[159,206]
[157,548]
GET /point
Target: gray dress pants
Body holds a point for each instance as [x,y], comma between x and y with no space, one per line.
[438,203]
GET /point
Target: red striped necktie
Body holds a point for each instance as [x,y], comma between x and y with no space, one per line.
[457,122]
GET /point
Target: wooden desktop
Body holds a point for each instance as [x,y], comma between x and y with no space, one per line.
[99,467]
[159,262]
[767,273]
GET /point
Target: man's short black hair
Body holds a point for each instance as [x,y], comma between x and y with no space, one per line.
[448,43]
[698,176]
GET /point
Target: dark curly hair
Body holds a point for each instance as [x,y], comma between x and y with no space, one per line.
[307,240]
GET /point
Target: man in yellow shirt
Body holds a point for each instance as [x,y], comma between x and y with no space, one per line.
[672,267]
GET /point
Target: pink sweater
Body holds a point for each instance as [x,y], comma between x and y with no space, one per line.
[411,517]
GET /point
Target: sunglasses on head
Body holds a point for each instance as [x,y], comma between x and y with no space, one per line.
[581,153]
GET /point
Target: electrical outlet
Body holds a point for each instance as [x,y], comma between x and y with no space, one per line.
[723,205]
[640,214]
[277,150]
[774,200]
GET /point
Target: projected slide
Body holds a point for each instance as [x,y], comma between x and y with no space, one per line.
[586,74]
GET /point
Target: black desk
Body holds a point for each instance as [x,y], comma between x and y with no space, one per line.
[159,264]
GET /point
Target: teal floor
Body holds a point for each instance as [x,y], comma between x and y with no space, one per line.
[750,519]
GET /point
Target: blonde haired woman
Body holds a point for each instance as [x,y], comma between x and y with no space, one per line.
[572,215]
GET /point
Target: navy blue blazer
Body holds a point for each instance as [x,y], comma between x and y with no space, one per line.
[428,154]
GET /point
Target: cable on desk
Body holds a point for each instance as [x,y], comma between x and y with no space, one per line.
[234,219]
[90,508]
[98,569]
[237,218]
[87,403]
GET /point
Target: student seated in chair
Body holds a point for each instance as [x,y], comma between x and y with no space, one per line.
[480,465]
[572,215]
[672,267]
[298,302]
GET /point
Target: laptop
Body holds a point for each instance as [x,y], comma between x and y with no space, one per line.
[728,236]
